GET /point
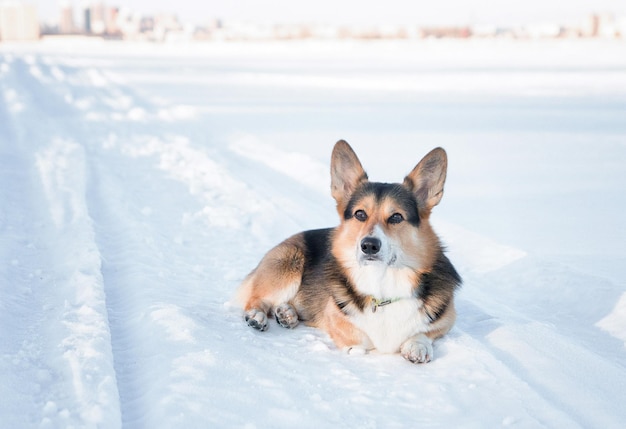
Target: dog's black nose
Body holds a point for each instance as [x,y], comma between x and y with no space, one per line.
[370,245]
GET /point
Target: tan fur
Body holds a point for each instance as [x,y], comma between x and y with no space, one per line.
[343,332]
[277,275]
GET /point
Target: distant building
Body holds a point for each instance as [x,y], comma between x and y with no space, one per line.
[66,20]
[18,22]
[446,32]
[87,20]
[97,18]
[609,26]
[128,23]
[591,27]
[111,19]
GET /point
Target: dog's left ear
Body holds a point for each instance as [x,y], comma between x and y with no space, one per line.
[427,179]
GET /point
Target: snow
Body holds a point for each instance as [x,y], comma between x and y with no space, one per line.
[139,184]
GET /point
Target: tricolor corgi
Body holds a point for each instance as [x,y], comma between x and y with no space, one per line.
[379,280]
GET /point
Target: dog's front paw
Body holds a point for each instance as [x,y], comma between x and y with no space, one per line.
[256,319]
[286,316]
[417,349]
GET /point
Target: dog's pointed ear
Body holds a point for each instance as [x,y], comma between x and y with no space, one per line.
[427,179]
[346,174]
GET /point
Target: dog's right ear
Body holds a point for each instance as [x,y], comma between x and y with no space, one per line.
[346,174]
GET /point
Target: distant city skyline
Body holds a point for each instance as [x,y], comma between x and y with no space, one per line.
[442,12]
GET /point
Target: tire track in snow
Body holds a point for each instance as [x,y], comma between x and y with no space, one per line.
[70,171]
[79,387]
[158,253]
[87,345]
[97,336]
[27,271]
[153,272]
[126,277]
[153,340]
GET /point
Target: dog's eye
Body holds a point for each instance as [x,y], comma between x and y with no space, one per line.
[360,215]
[395,218]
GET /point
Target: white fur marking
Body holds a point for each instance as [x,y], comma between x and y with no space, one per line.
[390,326]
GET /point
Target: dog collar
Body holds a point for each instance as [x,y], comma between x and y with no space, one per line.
[375,302]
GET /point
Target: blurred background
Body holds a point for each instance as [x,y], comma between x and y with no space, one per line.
[282,19]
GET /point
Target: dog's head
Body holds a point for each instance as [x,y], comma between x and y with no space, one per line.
[386,224]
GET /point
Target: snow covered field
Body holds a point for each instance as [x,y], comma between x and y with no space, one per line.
[140,184]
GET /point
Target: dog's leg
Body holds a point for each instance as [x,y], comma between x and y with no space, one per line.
[256,310]
[286,315]
[342,331]
[273,283]
[417,349]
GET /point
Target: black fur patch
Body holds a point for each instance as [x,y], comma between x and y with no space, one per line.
[321,270]
[405,199]
[317,246]
[436,288]
[349,296]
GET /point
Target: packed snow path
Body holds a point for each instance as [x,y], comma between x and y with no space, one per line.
[137,189]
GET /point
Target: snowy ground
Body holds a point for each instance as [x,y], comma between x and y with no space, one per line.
[138,185]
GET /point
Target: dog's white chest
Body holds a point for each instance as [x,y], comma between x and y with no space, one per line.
[391,325]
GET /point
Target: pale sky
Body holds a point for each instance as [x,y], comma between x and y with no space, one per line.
[420,12]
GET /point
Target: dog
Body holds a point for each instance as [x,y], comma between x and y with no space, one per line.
[378,281]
